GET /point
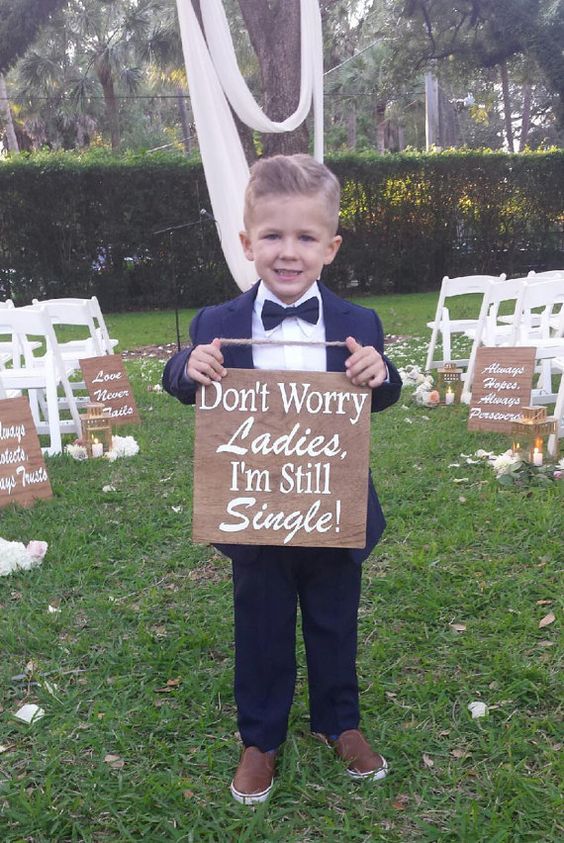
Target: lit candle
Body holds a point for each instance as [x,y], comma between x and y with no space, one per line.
[449,397]
[537,456]
[97,448]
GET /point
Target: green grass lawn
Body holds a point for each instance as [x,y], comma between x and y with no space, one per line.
[139,658]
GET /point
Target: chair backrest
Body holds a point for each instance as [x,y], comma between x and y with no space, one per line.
[95,312]
[22,323]
[465,285]
[77,312]
[546,295]
[534,277]
[508,290]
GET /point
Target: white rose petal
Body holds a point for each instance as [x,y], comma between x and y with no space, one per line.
[477,709]
[29,712]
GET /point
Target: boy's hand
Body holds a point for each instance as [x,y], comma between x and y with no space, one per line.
[365,366]
[205,363]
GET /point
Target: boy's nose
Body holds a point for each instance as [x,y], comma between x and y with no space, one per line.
[288,248]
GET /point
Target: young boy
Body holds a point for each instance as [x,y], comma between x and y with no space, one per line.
[291,218]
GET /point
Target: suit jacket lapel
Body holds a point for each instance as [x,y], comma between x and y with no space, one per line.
[337,318]
[237,323]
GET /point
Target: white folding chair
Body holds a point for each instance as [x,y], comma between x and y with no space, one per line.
[104,341]
[558,367]
[541,323]
[5,346]
[490,331]
[443,324]
[76,313]
[548,275]
[539,278]
[39,376]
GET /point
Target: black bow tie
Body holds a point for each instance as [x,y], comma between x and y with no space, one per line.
[273,314]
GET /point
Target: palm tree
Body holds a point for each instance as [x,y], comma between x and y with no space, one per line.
[90,46]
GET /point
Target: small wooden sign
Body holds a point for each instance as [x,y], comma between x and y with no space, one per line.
[502,387]
[281,458]
[23,476]
[108,384]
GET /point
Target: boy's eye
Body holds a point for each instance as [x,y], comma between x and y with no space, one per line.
[271,236]
[308,238]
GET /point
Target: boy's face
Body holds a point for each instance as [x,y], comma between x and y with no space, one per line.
[290,239]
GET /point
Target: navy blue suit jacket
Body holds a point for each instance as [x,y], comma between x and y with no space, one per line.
[342,319]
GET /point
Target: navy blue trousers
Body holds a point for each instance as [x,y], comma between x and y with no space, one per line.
[267,591]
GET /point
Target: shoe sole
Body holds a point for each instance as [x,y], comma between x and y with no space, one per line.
[250,798]
[372,775]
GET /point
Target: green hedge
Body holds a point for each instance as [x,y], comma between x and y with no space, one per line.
[83,225]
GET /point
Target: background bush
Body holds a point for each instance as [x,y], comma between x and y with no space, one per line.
[83,225]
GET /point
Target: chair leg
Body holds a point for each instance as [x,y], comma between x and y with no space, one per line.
[53,415]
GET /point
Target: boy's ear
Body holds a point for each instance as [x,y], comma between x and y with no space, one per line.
[246,244]
[332,249]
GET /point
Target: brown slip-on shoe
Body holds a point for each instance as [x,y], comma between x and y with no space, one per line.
[254,777]
[362,762]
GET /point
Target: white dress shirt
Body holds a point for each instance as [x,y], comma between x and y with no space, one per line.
[304,358]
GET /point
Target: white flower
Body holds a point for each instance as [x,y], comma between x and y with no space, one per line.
[481,454]
[15,556]
[560,464]
[37,549]
[505,463]
[423,391]
[122,446]
[478,709]
[77,452]
[413,376]
[29,713]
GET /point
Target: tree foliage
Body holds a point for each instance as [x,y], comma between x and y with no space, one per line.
[20,21]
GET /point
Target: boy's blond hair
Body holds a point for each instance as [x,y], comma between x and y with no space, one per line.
[293,175]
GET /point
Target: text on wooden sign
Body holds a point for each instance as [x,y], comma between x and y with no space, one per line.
[281,458]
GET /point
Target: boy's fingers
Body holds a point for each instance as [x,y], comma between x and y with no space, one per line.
[352,345]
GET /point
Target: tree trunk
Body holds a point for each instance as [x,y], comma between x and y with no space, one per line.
[274,31]
[106,81]
[504,75]
[183,113]
[11,138]
[525,116]
[431,110]
[350,120]
[380,115]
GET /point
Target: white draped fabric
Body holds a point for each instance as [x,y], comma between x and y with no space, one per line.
[214,79]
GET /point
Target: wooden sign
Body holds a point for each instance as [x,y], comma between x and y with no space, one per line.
[502,387]
[23,477]
[108,384]
[281,458]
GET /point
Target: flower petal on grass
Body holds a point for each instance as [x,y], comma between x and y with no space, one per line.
[115,762]
[477,709]
[29,713]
